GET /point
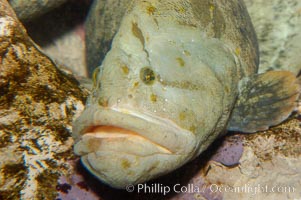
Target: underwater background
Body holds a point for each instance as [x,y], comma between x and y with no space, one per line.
[44,83]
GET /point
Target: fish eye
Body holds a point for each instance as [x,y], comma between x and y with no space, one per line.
[147,75]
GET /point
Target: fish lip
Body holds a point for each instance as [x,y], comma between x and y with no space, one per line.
[159,131]
[114,132]
[165,148]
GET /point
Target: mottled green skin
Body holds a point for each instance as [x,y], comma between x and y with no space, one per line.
[104,20]
[171,76]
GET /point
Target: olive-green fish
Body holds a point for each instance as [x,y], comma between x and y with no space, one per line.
[178,75]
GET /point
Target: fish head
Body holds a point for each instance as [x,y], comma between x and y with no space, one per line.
[159,99]
[146,120]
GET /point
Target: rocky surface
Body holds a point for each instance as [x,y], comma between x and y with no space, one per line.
[60,34]
[37,105]
[27,10]
[101,25]
[278,27]
[268,169]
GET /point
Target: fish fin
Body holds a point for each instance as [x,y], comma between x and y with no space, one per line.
[264,100]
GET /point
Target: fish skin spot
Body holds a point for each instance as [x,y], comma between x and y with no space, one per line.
[211,9]
[125,69]
[237,51]
[182,115]
[103,102]
[93,145]
[186,53]
[153,98]
[94,76]
[180,61]
[125,164]
[151,10]
[192,128]
[156,21]
[181,10]
[138,33]
[136,84]
[99,84]
[227,89]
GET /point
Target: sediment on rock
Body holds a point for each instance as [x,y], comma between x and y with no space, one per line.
[37,105]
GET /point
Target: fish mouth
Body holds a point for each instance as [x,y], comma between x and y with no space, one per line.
[120,123]
[123,146]
[109,133]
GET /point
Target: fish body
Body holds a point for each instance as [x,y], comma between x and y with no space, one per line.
[176,72]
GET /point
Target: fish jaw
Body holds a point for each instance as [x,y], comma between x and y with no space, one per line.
[122,147]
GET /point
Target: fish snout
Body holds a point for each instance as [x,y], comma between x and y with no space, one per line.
[120,152]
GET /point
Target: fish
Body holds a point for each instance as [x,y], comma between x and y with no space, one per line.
[179,74]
